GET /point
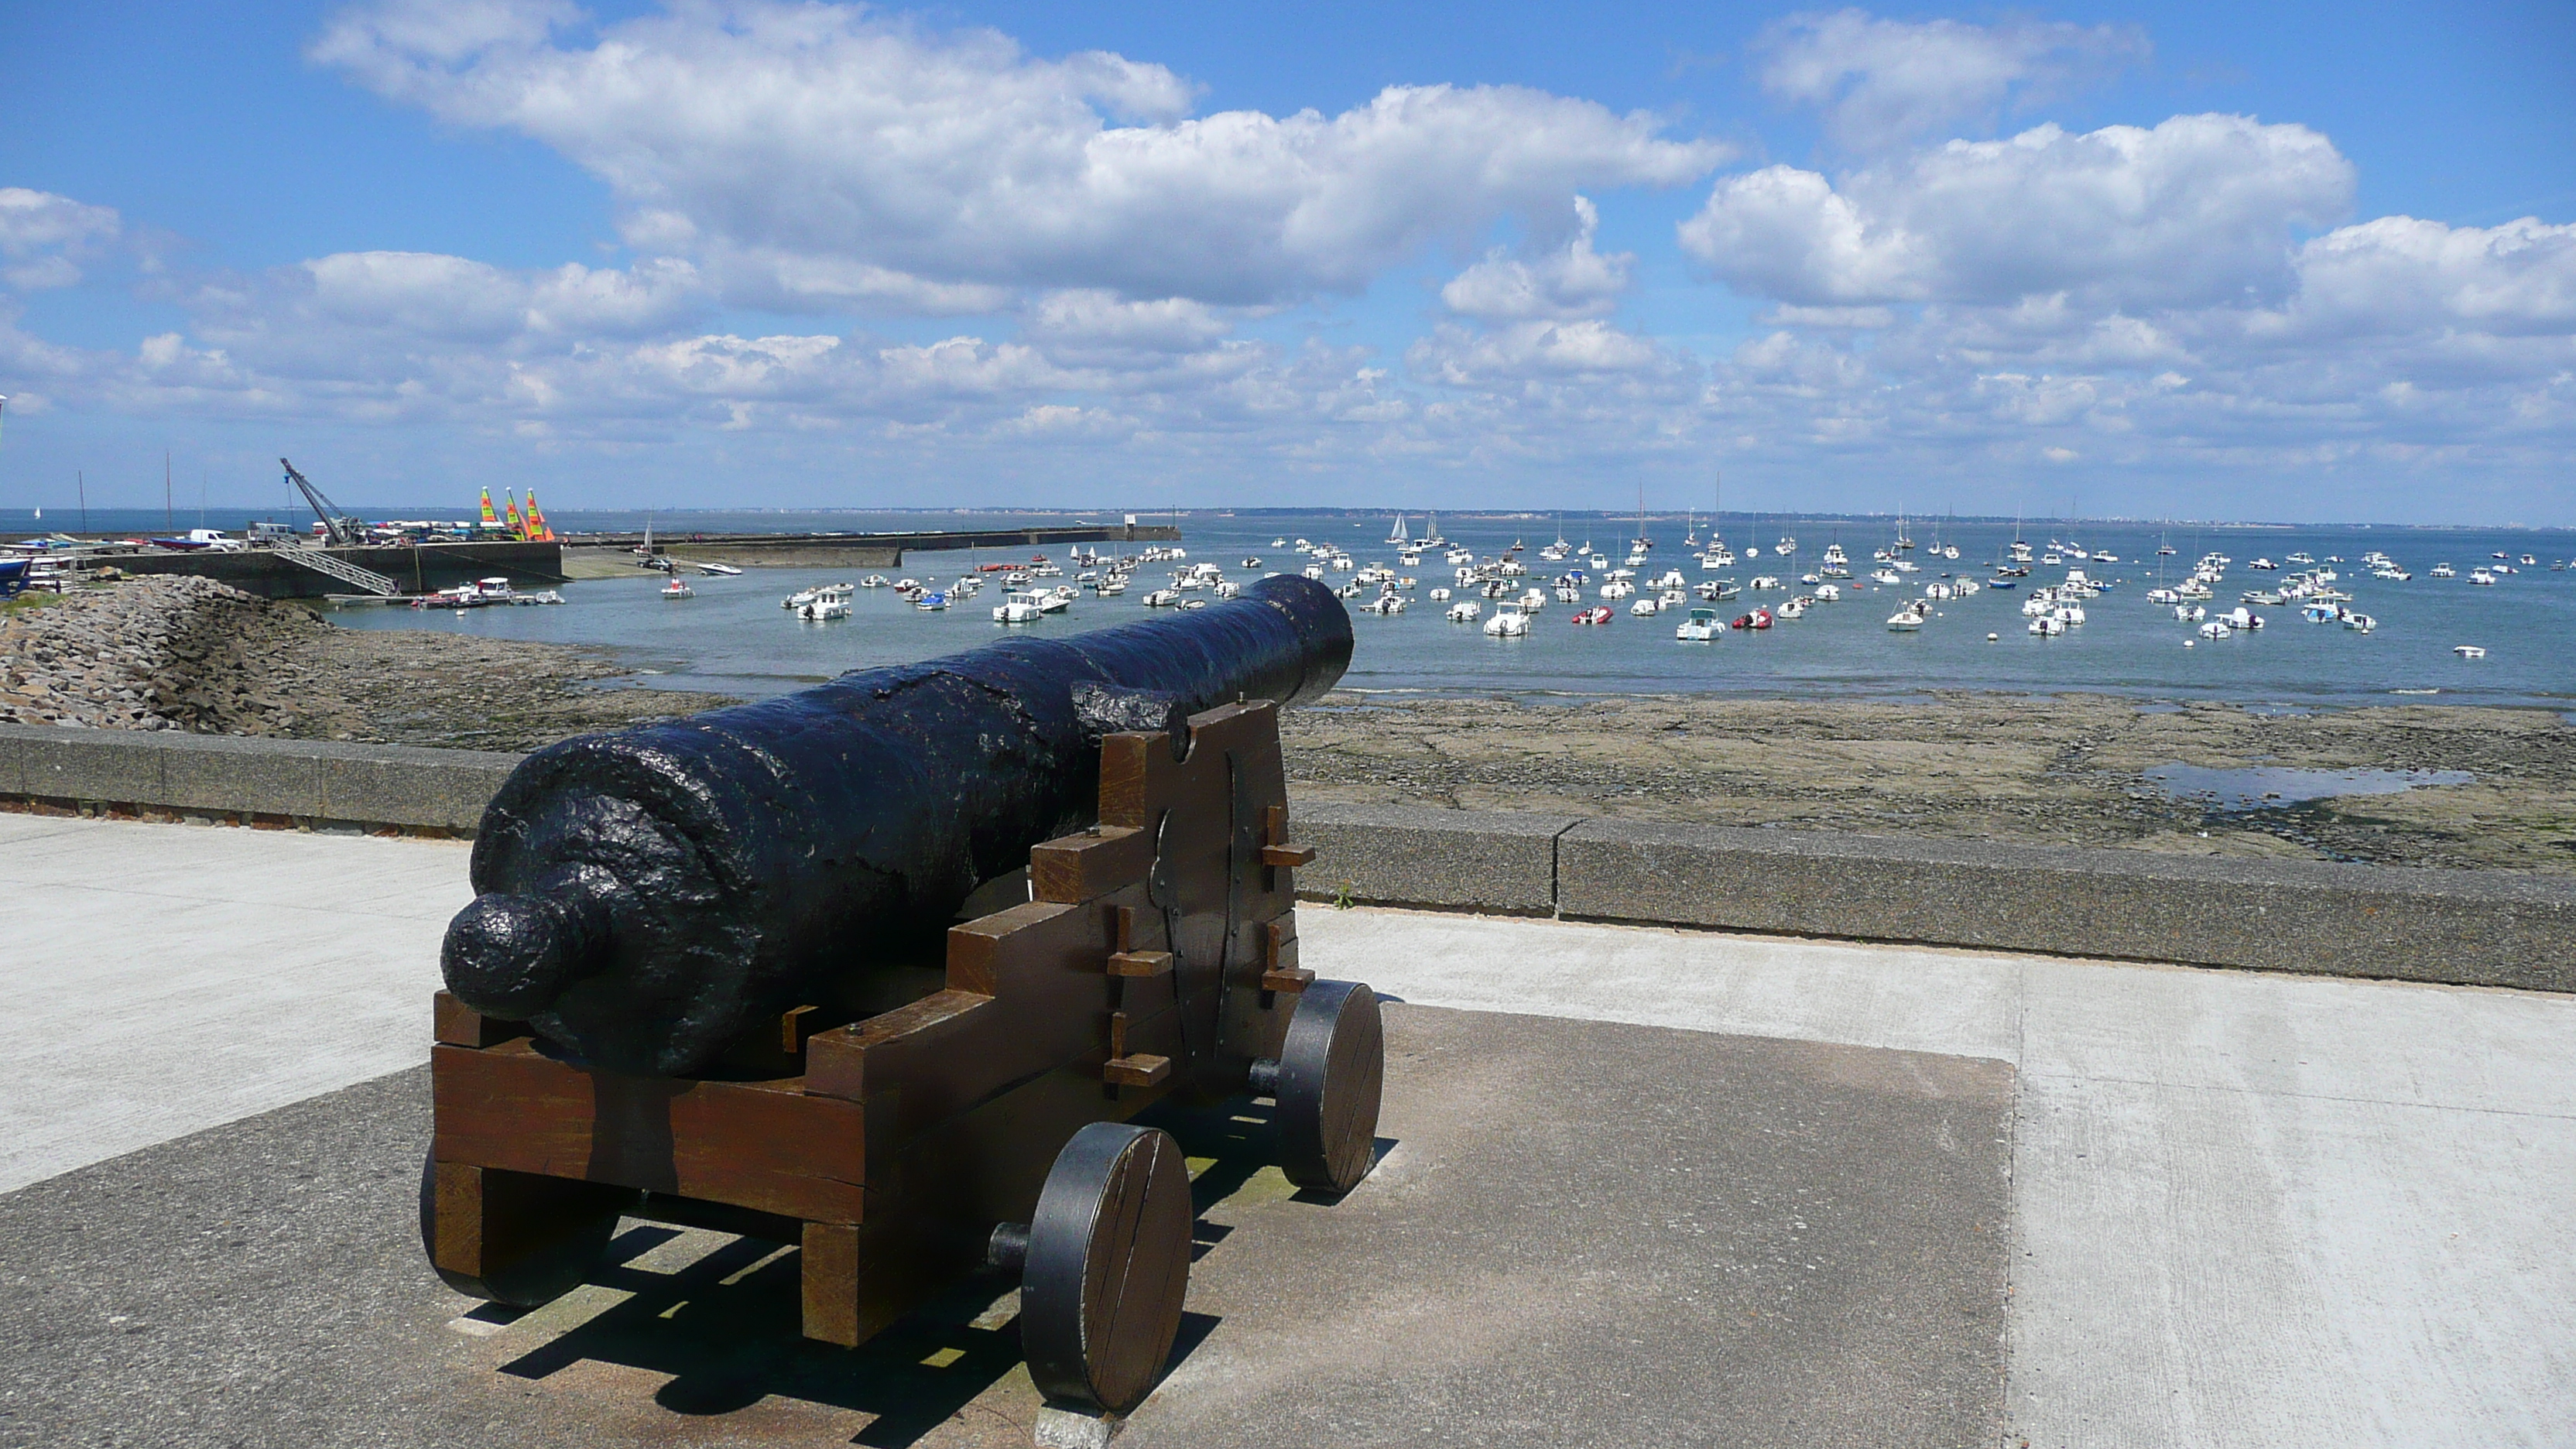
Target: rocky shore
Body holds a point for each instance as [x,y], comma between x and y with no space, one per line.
[2055,770]
[172,652]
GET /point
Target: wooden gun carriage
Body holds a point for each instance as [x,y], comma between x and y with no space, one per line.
[980,1126]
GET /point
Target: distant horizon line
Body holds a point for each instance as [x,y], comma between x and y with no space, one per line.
[1111,517]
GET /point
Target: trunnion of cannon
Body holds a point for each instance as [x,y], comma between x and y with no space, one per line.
[980,1125]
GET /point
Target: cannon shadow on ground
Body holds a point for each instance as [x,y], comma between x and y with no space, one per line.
[716,1316]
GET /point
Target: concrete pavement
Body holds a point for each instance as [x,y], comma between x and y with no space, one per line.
[162,979]
[2243,1209]
[2248,1209]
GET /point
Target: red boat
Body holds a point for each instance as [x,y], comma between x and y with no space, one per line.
[1597,614]
[1758,619]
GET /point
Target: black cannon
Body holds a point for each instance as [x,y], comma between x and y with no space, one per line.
[694,984]
[644,896]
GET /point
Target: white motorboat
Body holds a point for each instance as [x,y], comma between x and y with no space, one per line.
[1162,599]
[1646,608]
[1703,626]
[2469,651]
[1906,619]
[1508,622]
[678,588]
[824,610]
[1017,607]
[1464,612]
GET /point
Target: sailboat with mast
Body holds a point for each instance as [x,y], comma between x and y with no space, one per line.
[1718,556]
[1398,535]
[645,558]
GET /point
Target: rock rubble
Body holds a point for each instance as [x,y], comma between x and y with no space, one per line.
[108,658]
[173,652]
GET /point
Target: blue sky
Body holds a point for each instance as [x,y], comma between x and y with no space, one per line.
[2286,262]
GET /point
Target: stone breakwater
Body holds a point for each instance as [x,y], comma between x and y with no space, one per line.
[114,658]
[173,652]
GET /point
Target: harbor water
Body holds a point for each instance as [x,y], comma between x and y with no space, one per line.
[734,637]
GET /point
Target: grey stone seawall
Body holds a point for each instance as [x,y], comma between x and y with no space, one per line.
[2480,928]
[2474,928]
[171,774]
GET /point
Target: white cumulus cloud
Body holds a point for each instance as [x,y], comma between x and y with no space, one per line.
[1880,82]
[433,295]
[2199,209]
[1096,318]
[43,237]
[1565,282]
[2401,274]
[780,144]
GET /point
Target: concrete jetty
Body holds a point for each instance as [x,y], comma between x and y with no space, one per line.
[593,555]
[421,568]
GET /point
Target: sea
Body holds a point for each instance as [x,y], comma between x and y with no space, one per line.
[734,637]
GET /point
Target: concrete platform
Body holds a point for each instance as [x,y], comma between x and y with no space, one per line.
[1642,1186]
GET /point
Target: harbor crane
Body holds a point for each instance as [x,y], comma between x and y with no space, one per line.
[342,530]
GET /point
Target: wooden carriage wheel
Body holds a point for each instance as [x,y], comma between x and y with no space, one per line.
[1108,1263]
[1327,1082]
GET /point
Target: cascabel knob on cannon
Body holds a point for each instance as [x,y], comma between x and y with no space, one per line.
[644,897]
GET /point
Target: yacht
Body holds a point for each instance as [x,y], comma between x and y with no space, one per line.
[1508,622]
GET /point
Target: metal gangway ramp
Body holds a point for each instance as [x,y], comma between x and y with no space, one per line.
[340,568]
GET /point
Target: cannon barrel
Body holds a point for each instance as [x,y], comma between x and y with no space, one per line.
[646,896]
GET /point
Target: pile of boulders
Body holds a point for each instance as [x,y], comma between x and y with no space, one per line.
[153,653]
